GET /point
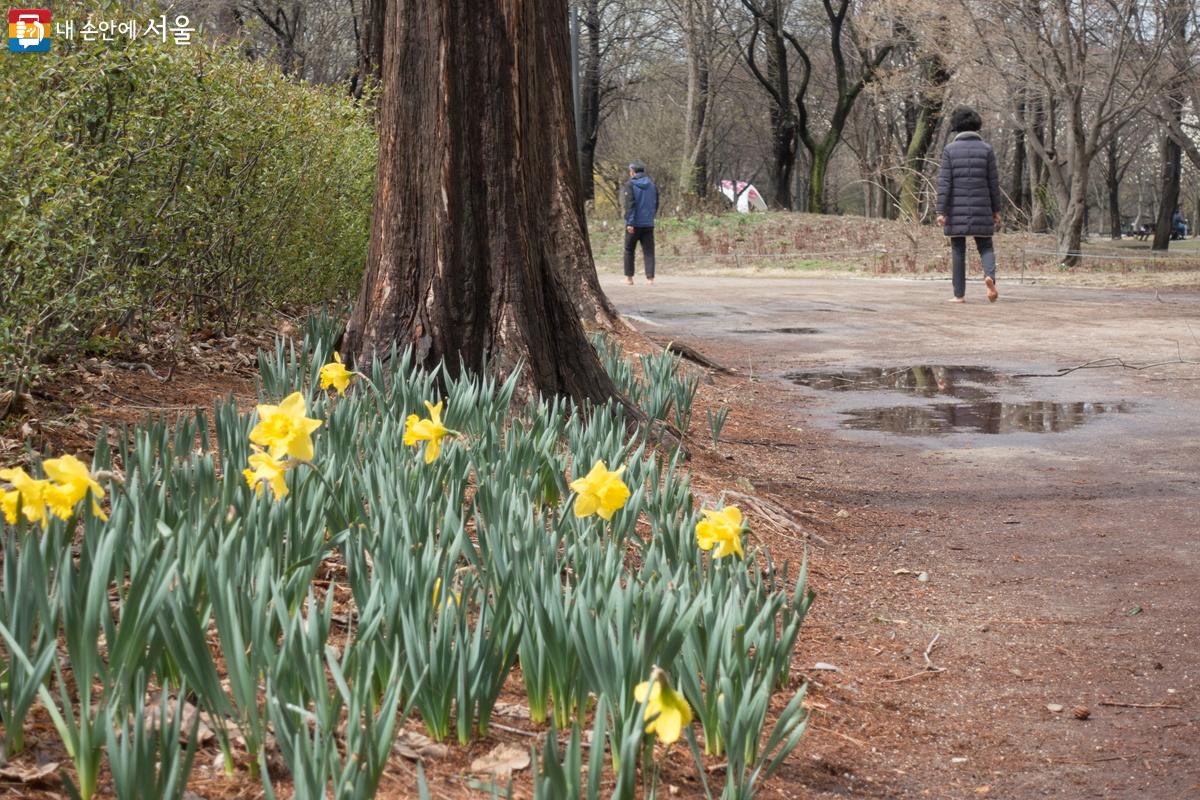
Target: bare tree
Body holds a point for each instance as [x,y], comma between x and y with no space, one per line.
[1093,69]
[617,39]
[853,65]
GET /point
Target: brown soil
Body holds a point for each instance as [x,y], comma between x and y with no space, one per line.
[1061,568]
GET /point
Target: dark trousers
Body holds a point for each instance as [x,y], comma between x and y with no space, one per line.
[958,261]
[646,237]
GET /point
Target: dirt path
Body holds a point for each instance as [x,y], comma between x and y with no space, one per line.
[1056,521]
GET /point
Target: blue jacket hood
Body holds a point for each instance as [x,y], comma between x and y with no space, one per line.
[641,201]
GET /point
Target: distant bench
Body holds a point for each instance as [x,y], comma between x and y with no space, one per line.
[1145,232]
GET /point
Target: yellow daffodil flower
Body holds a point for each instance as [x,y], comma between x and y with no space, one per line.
[266,470]
[336,375]
[666,711]
[723,530]
[73,482]
[600,492]
[31,494]
[284,430]
[429,430]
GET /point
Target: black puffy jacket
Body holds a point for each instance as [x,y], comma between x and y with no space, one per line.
[969,186]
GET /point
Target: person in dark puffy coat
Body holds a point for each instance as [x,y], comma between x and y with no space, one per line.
[968,200]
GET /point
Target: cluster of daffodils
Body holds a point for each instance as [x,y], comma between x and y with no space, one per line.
[68,481]
[602,492]
[283,436]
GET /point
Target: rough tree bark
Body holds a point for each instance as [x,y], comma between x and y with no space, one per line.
[590,91]
[1039,174]
[1019,188]
[465,261]
[1175,19]
[698,31]
[1112,177]
[922,118]
[370,42]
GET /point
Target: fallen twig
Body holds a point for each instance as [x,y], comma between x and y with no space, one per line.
[781,518]
[930,668]
[839,733]
[695,356]
[1119,704]
[929,649]
[1103,363]
[760,443]
[923,673]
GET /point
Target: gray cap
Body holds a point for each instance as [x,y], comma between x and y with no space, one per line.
[637,166]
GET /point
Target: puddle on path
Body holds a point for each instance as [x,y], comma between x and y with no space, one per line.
[964,383]
[990,416]
[763,331]
[980,411]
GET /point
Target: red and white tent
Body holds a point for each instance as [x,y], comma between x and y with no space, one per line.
[744,196]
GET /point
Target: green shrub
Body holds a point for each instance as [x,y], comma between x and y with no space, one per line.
[147,182]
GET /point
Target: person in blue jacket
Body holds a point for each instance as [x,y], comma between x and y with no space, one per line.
[969,200]
[641,204]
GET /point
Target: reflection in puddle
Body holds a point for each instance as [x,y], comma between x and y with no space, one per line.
[966,383]
[982,417]
[763,331]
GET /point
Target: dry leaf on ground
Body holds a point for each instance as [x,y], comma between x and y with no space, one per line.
[502,760]
[418,747]
[39,773]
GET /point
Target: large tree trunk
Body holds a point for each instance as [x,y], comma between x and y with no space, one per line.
[783,122]
[921,138]
[1069,227]
[1113,179]
[370,42]
[589,90]
[1018,191]
[1170,173]
[1171,158]
[698,30]
[473,234]
[1039,172]
[922,120]
[818,168]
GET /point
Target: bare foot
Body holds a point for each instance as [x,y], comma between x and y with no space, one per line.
[629,281]
[957,300]
[993,295]
[649,281]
